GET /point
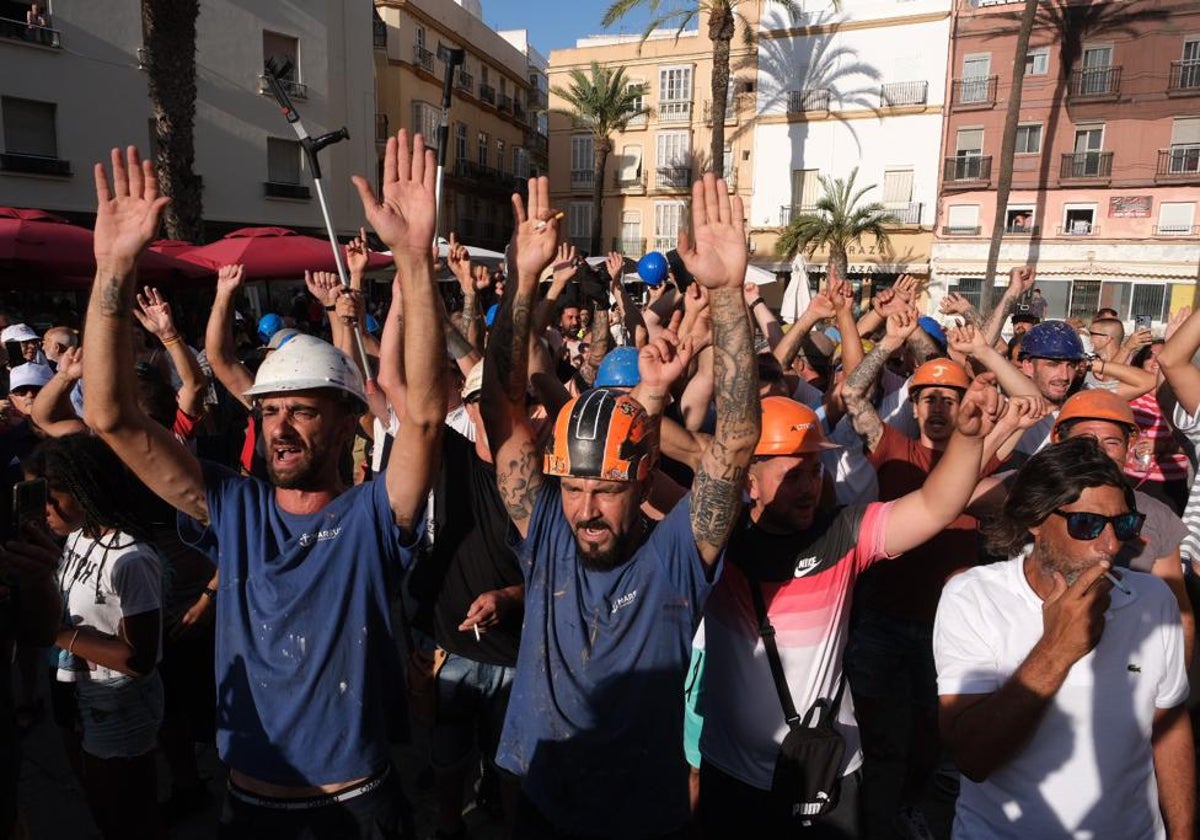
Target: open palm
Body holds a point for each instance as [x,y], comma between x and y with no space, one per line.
[715,249]
[128,214]
[405,216]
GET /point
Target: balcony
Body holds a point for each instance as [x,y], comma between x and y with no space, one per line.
[423,58]
[537,143]
[518,109]
[487,94]
[1094,83]
[967,170]
[504,103]
[465,82]
[381,129]
[790,211]
[1179,163]
[17,30]
[486,176]
[582,179]
[636,122]
[1177,230]
[1085,166]
[905,214]
[630,185]
[1014,229]
[662,244]
[296,192]
[1185,78]
[895,94]
[969,94]
[1078,228]
[673,177]
[538,99]
[807,101]
[675,110]
[633,248]
[961,231]
[294,89]
[35,165]
[379,33]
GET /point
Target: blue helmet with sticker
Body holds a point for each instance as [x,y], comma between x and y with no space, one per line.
[619,369]
[1052,340]
[268,325]
[652,268]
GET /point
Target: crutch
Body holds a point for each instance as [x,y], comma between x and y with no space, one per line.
[273,69]
[451,57]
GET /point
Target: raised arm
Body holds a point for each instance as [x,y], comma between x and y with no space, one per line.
[218,336]
[471,282]
[404,218]
[503,401]
[715,254]
[52,410]
[1175,359]
[856,390]
[564,270]
[972,343]
[127,218]
[764,318]
[1132,382]
[631,314]
[390,376]
[955,304]
[1020,281]
[154,314]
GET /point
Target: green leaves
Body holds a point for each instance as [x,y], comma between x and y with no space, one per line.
[839,219]
[601,100]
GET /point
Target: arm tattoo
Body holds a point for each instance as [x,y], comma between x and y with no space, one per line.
[519,479]
[997,317]
[854,392]
[455,342]
[597,348]
[112,299]
[717,488]
[470,321]
[923,346]
[972,317]
[522,313]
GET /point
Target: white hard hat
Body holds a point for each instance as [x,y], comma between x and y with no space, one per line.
[18,332]
[306,363]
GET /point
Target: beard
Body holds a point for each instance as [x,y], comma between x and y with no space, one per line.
[596,559]
[1051,561]
[303,474]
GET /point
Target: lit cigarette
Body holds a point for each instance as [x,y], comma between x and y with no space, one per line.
[556,217]
[1114,580]
[475,627]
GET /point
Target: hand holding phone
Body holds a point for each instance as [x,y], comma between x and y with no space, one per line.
[29,502]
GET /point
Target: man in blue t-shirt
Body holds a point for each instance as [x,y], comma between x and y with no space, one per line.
[306,664]
[594,727]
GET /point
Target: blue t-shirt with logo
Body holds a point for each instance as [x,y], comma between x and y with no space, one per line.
[595,719]
[308,675]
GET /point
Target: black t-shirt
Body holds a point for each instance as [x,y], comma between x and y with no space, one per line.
[471,555]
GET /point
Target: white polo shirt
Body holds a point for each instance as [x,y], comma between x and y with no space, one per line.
[1087,772]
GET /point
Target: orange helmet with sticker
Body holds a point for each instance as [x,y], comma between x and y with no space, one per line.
[1095,404]
[602,434]
[940,373]
[789,428]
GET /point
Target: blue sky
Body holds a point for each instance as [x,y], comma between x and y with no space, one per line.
[554,24]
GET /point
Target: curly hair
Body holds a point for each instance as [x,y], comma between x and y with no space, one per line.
[1055,476]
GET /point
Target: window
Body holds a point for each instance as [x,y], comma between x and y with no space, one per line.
[579,224]
[1175,218]
[421,37]
[520,162]
[668,219]
[631,233]
[1037,62]
[727,170]
[976,70]
[460,141]
[1079,219]
[426,119]
[638,86]
[283,46]
[971,288]
[1189,67]
[962,219]
[30,127]
[283,161]
[1019,220]
[806,188]
[500,156]
[675,94]
[630,171]
[1085,299]
[1185,146]
[674,159]
[968,142]
[1088,161]
[482,149]
[1029,139]
[897,187]
[503,85]
[1115,295]
[583,160]
[1149,299]
[1094,76]
[483,74]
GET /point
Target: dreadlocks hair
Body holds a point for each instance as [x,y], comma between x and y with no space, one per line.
[107,492]
[1055,476]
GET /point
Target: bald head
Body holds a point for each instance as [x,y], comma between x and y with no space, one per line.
[56,340]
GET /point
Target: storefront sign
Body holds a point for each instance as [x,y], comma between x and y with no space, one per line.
[1130,206]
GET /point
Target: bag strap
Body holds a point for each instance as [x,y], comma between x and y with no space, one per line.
[825,709]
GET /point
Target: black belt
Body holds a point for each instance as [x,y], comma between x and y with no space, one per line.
[309,802]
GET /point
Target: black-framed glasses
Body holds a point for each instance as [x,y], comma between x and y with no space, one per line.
[1084,525]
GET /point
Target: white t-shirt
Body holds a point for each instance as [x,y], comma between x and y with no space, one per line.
[1087,772]
[103,581]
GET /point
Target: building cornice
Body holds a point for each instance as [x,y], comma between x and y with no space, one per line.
[835,27]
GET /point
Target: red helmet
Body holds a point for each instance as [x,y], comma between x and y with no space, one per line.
[602,434]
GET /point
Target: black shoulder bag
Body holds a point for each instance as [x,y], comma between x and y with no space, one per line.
[807,778]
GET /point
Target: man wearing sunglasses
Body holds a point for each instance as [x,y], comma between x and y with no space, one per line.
[1062,688]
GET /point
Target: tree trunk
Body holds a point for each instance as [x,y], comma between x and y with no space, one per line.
[600,157]
[1008,146]
[720,32]
[838,262]
[170,34]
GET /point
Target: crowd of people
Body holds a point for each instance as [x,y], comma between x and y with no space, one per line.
[648,566]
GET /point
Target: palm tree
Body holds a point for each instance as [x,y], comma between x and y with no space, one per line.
[602,102]
[838,222]
[169,28]
[723,20]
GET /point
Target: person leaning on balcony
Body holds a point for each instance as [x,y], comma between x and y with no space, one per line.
[37,22]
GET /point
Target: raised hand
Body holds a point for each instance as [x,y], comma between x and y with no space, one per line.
[695,299]
[1020,280]
[1137,341]
[324,286]
[954,304]
[967,340]
[887,302]
[535,237]
[714,251]
[229,279]
[821,307]
[906,288]
[841,294]
[70,364]
[980,407]
[357,254]
[349,306]
[154,314]
[128,215]
[900,325]
[664,360]
[405,216]
[458,260]
[615,263]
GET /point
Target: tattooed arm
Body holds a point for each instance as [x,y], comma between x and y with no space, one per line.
[923,346]
[857,387]
[1020,281]
[506,365]
[715,254]
[127,217]
[597,346]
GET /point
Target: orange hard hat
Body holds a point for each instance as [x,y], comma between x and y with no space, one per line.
[789,428]
[602,434]
[1095,404]
[940,373]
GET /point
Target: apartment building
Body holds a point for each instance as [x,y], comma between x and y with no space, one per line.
[857,85]
[74,90]
[497,124]
[1107,161]
[649,174]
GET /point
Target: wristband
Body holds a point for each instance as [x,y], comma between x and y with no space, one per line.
[167,342]
[209,593]
[71,644]
[756,302]
[332,308]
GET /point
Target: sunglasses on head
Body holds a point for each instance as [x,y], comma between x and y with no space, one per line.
[1083,525]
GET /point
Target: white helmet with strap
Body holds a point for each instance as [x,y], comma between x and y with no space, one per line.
[306,363]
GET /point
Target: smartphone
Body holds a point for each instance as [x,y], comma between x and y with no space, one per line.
[682,276]
[29,501]
[1141,322]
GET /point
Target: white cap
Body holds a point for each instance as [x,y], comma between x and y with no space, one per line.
[18,332]
[29,375]
[307,363]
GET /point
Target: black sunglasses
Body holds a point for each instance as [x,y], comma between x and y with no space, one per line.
[1083,525]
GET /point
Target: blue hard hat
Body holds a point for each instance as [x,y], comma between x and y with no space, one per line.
[268,325]
[933,328]
[372,325]
[619,369]
[1052,340]
[652,268]
[489,317]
